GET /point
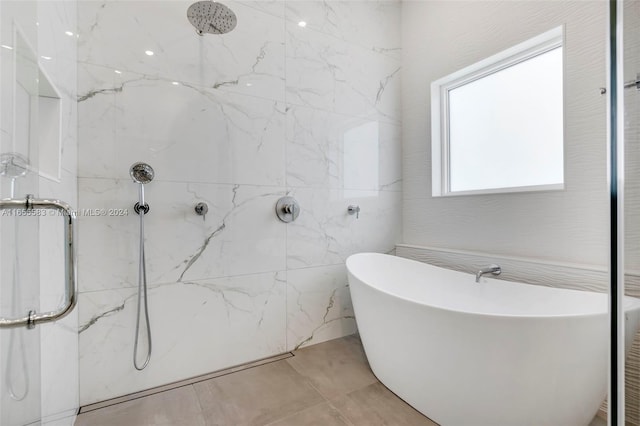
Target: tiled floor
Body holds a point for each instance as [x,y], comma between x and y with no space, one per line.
[326,384]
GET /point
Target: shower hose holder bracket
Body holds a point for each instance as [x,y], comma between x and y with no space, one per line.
[141,208]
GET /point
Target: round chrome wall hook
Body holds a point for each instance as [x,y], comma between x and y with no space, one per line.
[201,209]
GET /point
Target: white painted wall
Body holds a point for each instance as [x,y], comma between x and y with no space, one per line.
[440,37]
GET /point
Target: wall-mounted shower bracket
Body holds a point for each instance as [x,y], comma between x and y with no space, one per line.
[287,209]
[138,208]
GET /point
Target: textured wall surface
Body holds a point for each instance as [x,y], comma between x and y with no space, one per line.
[237,121]
[569,225]
[632,135]
[631,52]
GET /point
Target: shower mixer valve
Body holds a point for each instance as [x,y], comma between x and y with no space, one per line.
[287,209]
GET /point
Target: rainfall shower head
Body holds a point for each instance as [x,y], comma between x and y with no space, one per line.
[141,173]
[211,17]
[13,165]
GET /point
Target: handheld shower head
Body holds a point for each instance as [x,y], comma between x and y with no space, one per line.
[141,173]
[211,17]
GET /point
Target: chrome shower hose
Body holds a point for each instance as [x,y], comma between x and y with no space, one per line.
[142,296]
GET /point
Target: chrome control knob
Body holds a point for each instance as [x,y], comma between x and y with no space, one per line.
[287,209]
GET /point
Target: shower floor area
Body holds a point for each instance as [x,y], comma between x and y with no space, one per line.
[325,384]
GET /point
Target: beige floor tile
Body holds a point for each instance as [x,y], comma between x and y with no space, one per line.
[336,367]
[375,405]
[256,396]
[318,415]
[175,407]
[283,393]
[597,421]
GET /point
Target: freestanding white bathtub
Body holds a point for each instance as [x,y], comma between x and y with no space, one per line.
[494,353]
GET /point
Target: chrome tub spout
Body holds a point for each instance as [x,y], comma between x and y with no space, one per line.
[493,268]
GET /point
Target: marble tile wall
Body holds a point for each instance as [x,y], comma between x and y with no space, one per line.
[237,121]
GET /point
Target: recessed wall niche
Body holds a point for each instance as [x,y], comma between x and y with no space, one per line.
[37,112]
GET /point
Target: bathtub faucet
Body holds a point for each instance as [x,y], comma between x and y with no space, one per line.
[493,268]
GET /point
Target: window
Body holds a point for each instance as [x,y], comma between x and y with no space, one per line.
[497,125]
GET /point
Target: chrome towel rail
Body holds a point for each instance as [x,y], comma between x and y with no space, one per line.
[34,318]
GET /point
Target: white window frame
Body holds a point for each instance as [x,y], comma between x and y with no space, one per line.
[440,108]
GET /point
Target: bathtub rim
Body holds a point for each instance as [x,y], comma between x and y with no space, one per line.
[631,303]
